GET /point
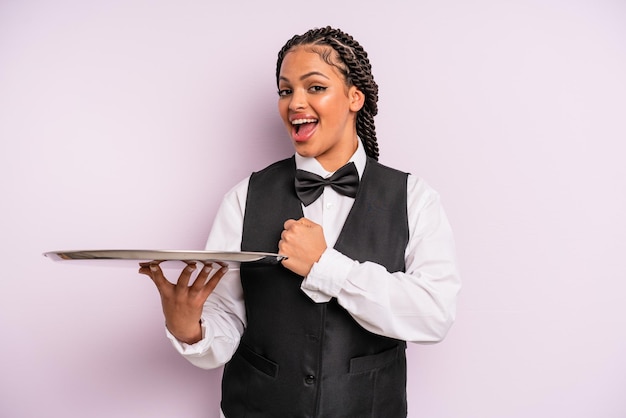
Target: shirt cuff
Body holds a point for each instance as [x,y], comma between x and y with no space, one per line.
[328,276]
[192,349]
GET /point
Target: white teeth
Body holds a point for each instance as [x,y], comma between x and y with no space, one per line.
[302,121]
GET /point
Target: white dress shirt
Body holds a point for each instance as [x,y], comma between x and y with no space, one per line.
[417,305]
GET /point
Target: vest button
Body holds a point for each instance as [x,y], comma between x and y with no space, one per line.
[309,379]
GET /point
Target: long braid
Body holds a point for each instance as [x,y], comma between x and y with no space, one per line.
[355,66]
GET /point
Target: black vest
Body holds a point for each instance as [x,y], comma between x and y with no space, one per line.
[298,358]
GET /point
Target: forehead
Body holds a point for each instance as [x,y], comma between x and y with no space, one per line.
[307,58]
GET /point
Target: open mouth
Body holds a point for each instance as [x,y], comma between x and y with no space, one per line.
[302,128]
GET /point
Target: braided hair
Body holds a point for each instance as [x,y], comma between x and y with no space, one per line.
[354,64]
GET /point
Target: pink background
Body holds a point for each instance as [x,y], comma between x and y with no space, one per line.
[122,123]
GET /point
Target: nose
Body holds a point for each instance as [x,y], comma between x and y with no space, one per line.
[298,100]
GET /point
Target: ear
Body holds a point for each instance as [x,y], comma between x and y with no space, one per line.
[357,98]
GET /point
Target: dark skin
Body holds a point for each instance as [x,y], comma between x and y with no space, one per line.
[182,303]
[303,242]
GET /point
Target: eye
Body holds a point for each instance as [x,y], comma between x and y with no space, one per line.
[284,92]
[317,89]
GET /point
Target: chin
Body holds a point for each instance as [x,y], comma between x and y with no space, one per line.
[302,149]
[305,154]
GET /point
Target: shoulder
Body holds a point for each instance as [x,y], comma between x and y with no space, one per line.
[273,179]
[236,196]
[380,170]
[420,194]
[416,186]
[288,164]
[240,189]
[375,165]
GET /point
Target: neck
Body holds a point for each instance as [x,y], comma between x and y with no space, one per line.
[332,163]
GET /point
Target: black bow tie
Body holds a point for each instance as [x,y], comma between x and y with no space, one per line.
[310,186]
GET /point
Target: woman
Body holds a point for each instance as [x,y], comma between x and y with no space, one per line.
[370,258]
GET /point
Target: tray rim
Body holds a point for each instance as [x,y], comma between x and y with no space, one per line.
[164,255]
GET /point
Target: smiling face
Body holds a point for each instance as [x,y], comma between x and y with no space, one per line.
[317,107]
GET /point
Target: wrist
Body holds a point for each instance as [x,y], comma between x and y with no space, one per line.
[187,335]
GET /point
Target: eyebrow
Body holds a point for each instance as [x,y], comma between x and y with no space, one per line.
[307,75]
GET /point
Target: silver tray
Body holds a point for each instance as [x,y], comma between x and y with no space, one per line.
[231,258]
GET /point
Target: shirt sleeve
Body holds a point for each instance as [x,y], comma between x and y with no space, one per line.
[418,305]
[223,316]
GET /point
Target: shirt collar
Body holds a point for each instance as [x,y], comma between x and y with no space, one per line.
[310,164]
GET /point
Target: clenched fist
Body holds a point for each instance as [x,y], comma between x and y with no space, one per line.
[303,242]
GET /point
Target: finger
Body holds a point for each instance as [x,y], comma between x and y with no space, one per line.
[144,268]
[185,275]
[153,270]
[287,234]
[289,223]
[306,222]
[214,280]
[145,265]
[202,276]
[286,262]
[282,246]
